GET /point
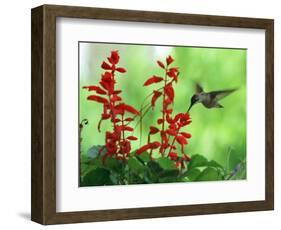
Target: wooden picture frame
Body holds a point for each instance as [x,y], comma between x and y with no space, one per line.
[43,208]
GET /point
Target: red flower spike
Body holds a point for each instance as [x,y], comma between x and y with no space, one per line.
[116,143]
[169,60]
[153,130]
[156,95]
[152,80]
[97,99]
[106,66]
[121,70]
[132,138]
[161,64]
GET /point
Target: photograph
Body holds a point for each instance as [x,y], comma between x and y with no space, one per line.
[141,114]
[152,113]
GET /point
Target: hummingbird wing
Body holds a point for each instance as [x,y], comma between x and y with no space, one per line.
[198,88]
[221,93]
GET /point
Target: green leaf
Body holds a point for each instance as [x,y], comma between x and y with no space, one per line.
[209,174]
[198,161]
[214,164]
[97,177]
[135,165]
[170,173]
[192,174]
[154,167]
[94,151]
[144,157]
[113,164]
[166,163]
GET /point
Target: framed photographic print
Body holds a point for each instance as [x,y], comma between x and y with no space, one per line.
[139,114]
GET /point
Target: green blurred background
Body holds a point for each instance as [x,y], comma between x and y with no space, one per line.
[218,134]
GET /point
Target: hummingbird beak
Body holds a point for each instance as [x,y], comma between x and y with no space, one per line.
[190,107]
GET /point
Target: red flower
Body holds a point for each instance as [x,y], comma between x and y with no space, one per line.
[97,99]
[173,156]
[153,79]
[131,109]
[115,98]
[129,119]
[156,95]
[122,107]
[143,149]
[106,66]
[181,140]
[173,72]
[186,135]
[121,70]
[153,145]
[169,90]
[132,138]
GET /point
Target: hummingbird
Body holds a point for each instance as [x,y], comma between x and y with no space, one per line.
[209,99]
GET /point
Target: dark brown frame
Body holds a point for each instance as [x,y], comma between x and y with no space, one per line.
[43,202]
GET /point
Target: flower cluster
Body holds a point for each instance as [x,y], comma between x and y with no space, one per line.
[117,143]
[170,126]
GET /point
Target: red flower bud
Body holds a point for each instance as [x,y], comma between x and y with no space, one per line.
[169,60]
[161,64]
[153,130]
[121,70]
[114,57]
[132,138]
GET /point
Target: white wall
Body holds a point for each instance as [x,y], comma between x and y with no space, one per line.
[15,113]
